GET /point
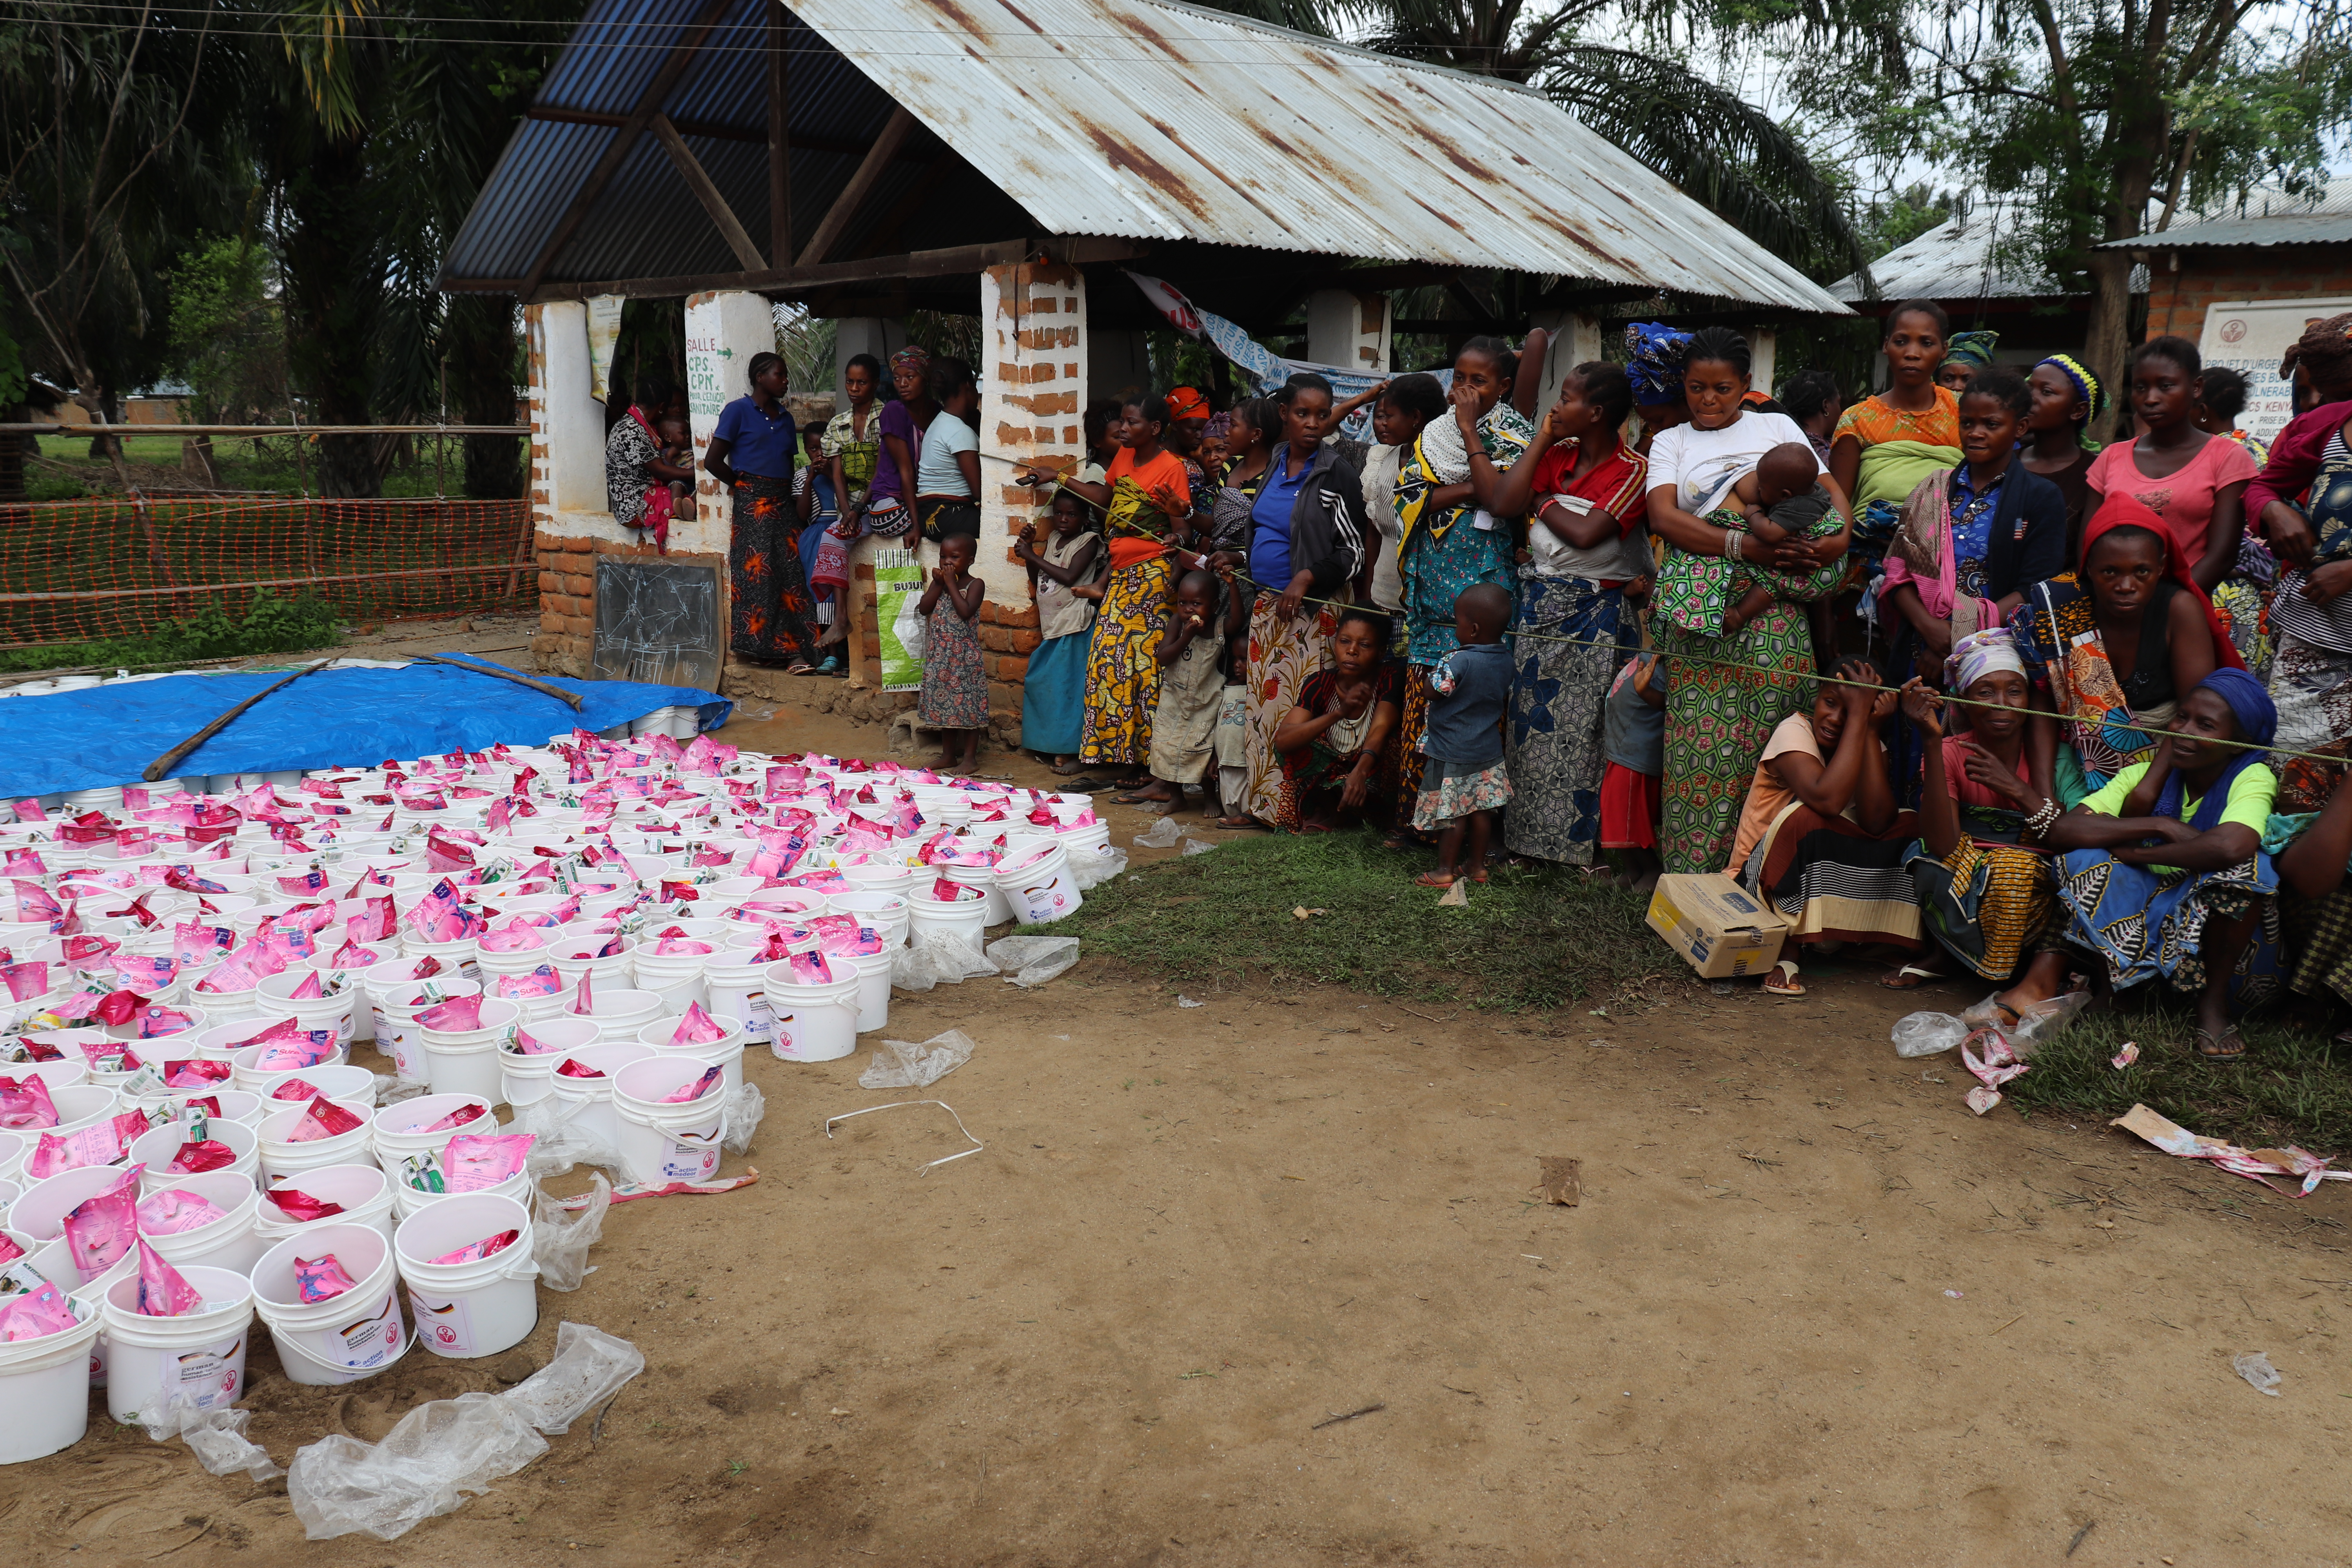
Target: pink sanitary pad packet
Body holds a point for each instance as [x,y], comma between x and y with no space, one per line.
[155,1023]
[568,1067]
[306,1048]
[472,1162]
[295,1088]
[811,969]
[351,955]
[475,1251]
[302,1208]
[540,981]
[584,1001]
[206,1154]
[100,1228]
[844,937]
[324,1118]
[695,1090]
[312,989]
[173,1210]
[679,944]
[193,941]
[947,892]
[196,1074]
[517,933]
[164,1292]
[102,1145]
[455,1014]
[320,1278]
[36,1314]
[460,1117]
[697,1028]
[24,1103]
[439,915]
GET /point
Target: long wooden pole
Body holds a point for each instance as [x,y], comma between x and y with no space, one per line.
[161,768]
[780,143]
[539,685]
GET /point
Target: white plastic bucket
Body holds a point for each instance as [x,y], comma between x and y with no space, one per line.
[873,984]
[735,978]
[390,1127]
[526,1079]
[342,1340]
[1041,889]
[228,1242]
[664,1142]
[465,1061]
[57,1075]
[468,1310]
[45,1388]
[336,1080]
[152,1361]
[997,909]
[363,1191]
[236,1104]
[41,1211]
[407,1199]
[83,1105]
[966,918]
[676,977]
[321,1013]
[587,1102]
[875,877]
[726,1050]
[280,1157]
[155,1149]
[495,962]
[888,913]
[397,998]
[619,1013]
[456,957]
[812,1022]
[573,957]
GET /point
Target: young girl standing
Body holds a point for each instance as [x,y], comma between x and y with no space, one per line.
[2195,482]
[2058,447]
[955,688]
[1053,694]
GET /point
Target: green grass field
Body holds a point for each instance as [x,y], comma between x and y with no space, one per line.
[68,472]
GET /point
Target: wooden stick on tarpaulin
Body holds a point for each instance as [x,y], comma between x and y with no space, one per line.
[539,685]
[161,768]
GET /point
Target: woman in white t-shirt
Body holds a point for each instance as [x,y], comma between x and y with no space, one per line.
[1718,716]
[947,472]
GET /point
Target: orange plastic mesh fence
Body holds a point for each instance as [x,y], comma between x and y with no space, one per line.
[81,570]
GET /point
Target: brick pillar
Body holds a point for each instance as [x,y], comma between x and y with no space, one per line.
[723,331]
[1348,330]
[1033,379]
[567,476]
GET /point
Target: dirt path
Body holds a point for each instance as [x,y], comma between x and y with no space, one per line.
[1809,1311]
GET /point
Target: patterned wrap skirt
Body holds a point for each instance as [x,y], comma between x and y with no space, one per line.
[1991,906]
[2312,687]
[1282,655]
[1719,715]
[1451,791]
[1122,664]
[1834,882]
[1558,701]
[771,609]
[2145,926]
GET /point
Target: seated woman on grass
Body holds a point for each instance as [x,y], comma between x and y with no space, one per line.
[1332,741]
[2165,873]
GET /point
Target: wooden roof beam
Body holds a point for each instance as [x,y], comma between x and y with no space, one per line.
[730,227]
[852,195]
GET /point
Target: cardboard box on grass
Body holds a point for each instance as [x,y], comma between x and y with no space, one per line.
[1720,929]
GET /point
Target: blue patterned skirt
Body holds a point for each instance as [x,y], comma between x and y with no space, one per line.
[2144,926]
[1558,701]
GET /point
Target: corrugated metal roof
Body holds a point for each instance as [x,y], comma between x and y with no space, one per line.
[1968,257]
[2263,217]
[1138,119]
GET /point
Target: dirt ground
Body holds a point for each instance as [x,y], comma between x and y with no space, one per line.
[1810,1309]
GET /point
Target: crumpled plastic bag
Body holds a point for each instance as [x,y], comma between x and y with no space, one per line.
[2257,1370]
[1926,1034]
[446,1449]
[560,1239]
[1089,871]
[560,1140]
[938,957]
[1037,959]
[1161,835]
[392,1091]
[2036,1024]
[215,1437]
[898,1064]
[745,1111]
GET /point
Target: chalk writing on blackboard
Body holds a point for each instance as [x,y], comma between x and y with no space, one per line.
[657,621]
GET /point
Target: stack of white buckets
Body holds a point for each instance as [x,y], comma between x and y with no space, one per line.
[663,898]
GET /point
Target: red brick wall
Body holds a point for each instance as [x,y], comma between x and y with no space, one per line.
[2176,299]
[567,596]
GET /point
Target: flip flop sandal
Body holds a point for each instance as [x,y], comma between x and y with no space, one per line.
[1433,879]
[1785,973]
[1084,786]
[1901,980]
[2226,1047]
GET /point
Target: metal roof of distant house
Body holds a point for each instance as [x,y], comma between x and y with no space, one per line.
[1146,119]
[2265,215]
[1964,258]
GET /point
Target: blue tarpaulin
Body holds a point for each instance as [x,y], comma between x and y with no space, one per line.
[335,718]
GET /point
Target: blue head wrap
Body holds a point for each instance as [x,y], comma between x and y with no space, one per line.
[2257,718]
[1654,362]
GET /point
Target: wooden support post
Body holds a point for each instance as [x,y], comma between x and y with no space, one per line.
[730,227]
[852,195]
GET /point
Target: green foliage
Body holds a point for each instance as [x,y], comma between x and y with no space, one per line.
[1526,940]
[12,370]
[228,342]
[273,625]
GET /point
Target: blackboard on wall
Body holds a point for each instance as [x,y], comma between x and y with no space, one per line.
[657,621]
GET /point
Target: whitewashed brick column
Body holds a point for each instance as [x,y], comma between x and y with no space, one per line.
[1763,347]
[567,425]
[1575,341]
[723,331]
[1349,330]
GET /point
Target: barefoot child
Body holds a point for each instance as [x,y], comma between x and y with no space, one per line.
[955,688]
[1633,741]
[1053,695]
[1780,498]
[1191,655]
[1466,780]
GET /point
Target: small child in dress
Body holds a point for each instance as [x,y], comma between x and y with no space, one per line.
[1192,656]
[1464,780]
[678,448]
[1782,498]
[1633,741]
[955,687]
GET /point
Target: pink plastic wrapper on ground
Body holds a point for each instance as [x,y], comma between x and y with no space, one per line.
[810,969]
[457,1013]
[325,1119]
[25,1104]
[2000,1063]
[312,989]
[36,1314]
[459,1117]
[540,981]
[695,1090]
[697,1028]
[473,1163]
[295,1088]
[320,1278]
[164,1291]
[155,1023]
[26,981]
[517,932]
[196,1074]
[205,1154]
[568,1067]
[100,1228]
[584,1001]
[173,1210]
[101,1145]
[299,1206]
[475,1251]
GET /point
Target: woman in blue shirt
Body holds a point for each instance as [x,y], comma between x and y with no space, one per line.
[751,454]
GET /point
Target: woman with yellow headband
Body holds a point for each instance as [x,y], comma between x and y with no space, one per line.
[2058,447]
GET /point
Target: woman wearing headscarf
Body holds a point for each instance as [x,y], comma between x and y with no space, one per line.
[890,498]
[1965,354]
[850,450]
[751,454]
[2165,874]
[1653,364]
[2058,444]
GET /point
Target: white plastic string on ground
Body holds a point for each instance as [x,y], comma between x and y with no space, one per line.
[444,1451]
[977,1145]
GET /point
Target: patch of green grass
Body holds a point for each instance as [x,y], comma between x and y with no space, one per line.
[1528,939]
[274,624]
[2290,1086]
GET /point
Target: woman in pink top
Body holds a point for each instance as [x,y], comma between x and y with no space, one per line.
[2195,482]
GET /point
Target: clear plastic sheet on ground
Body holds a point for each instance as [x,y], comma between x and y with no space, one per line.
[559,1238]
[2257,1370]
[562,1138]
[215,1437]
[900,1065]
[1034,959]
[2034,1023]
[939,958]
[746,1108]
[1089,871]
[1926,1034]
[444,1451]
